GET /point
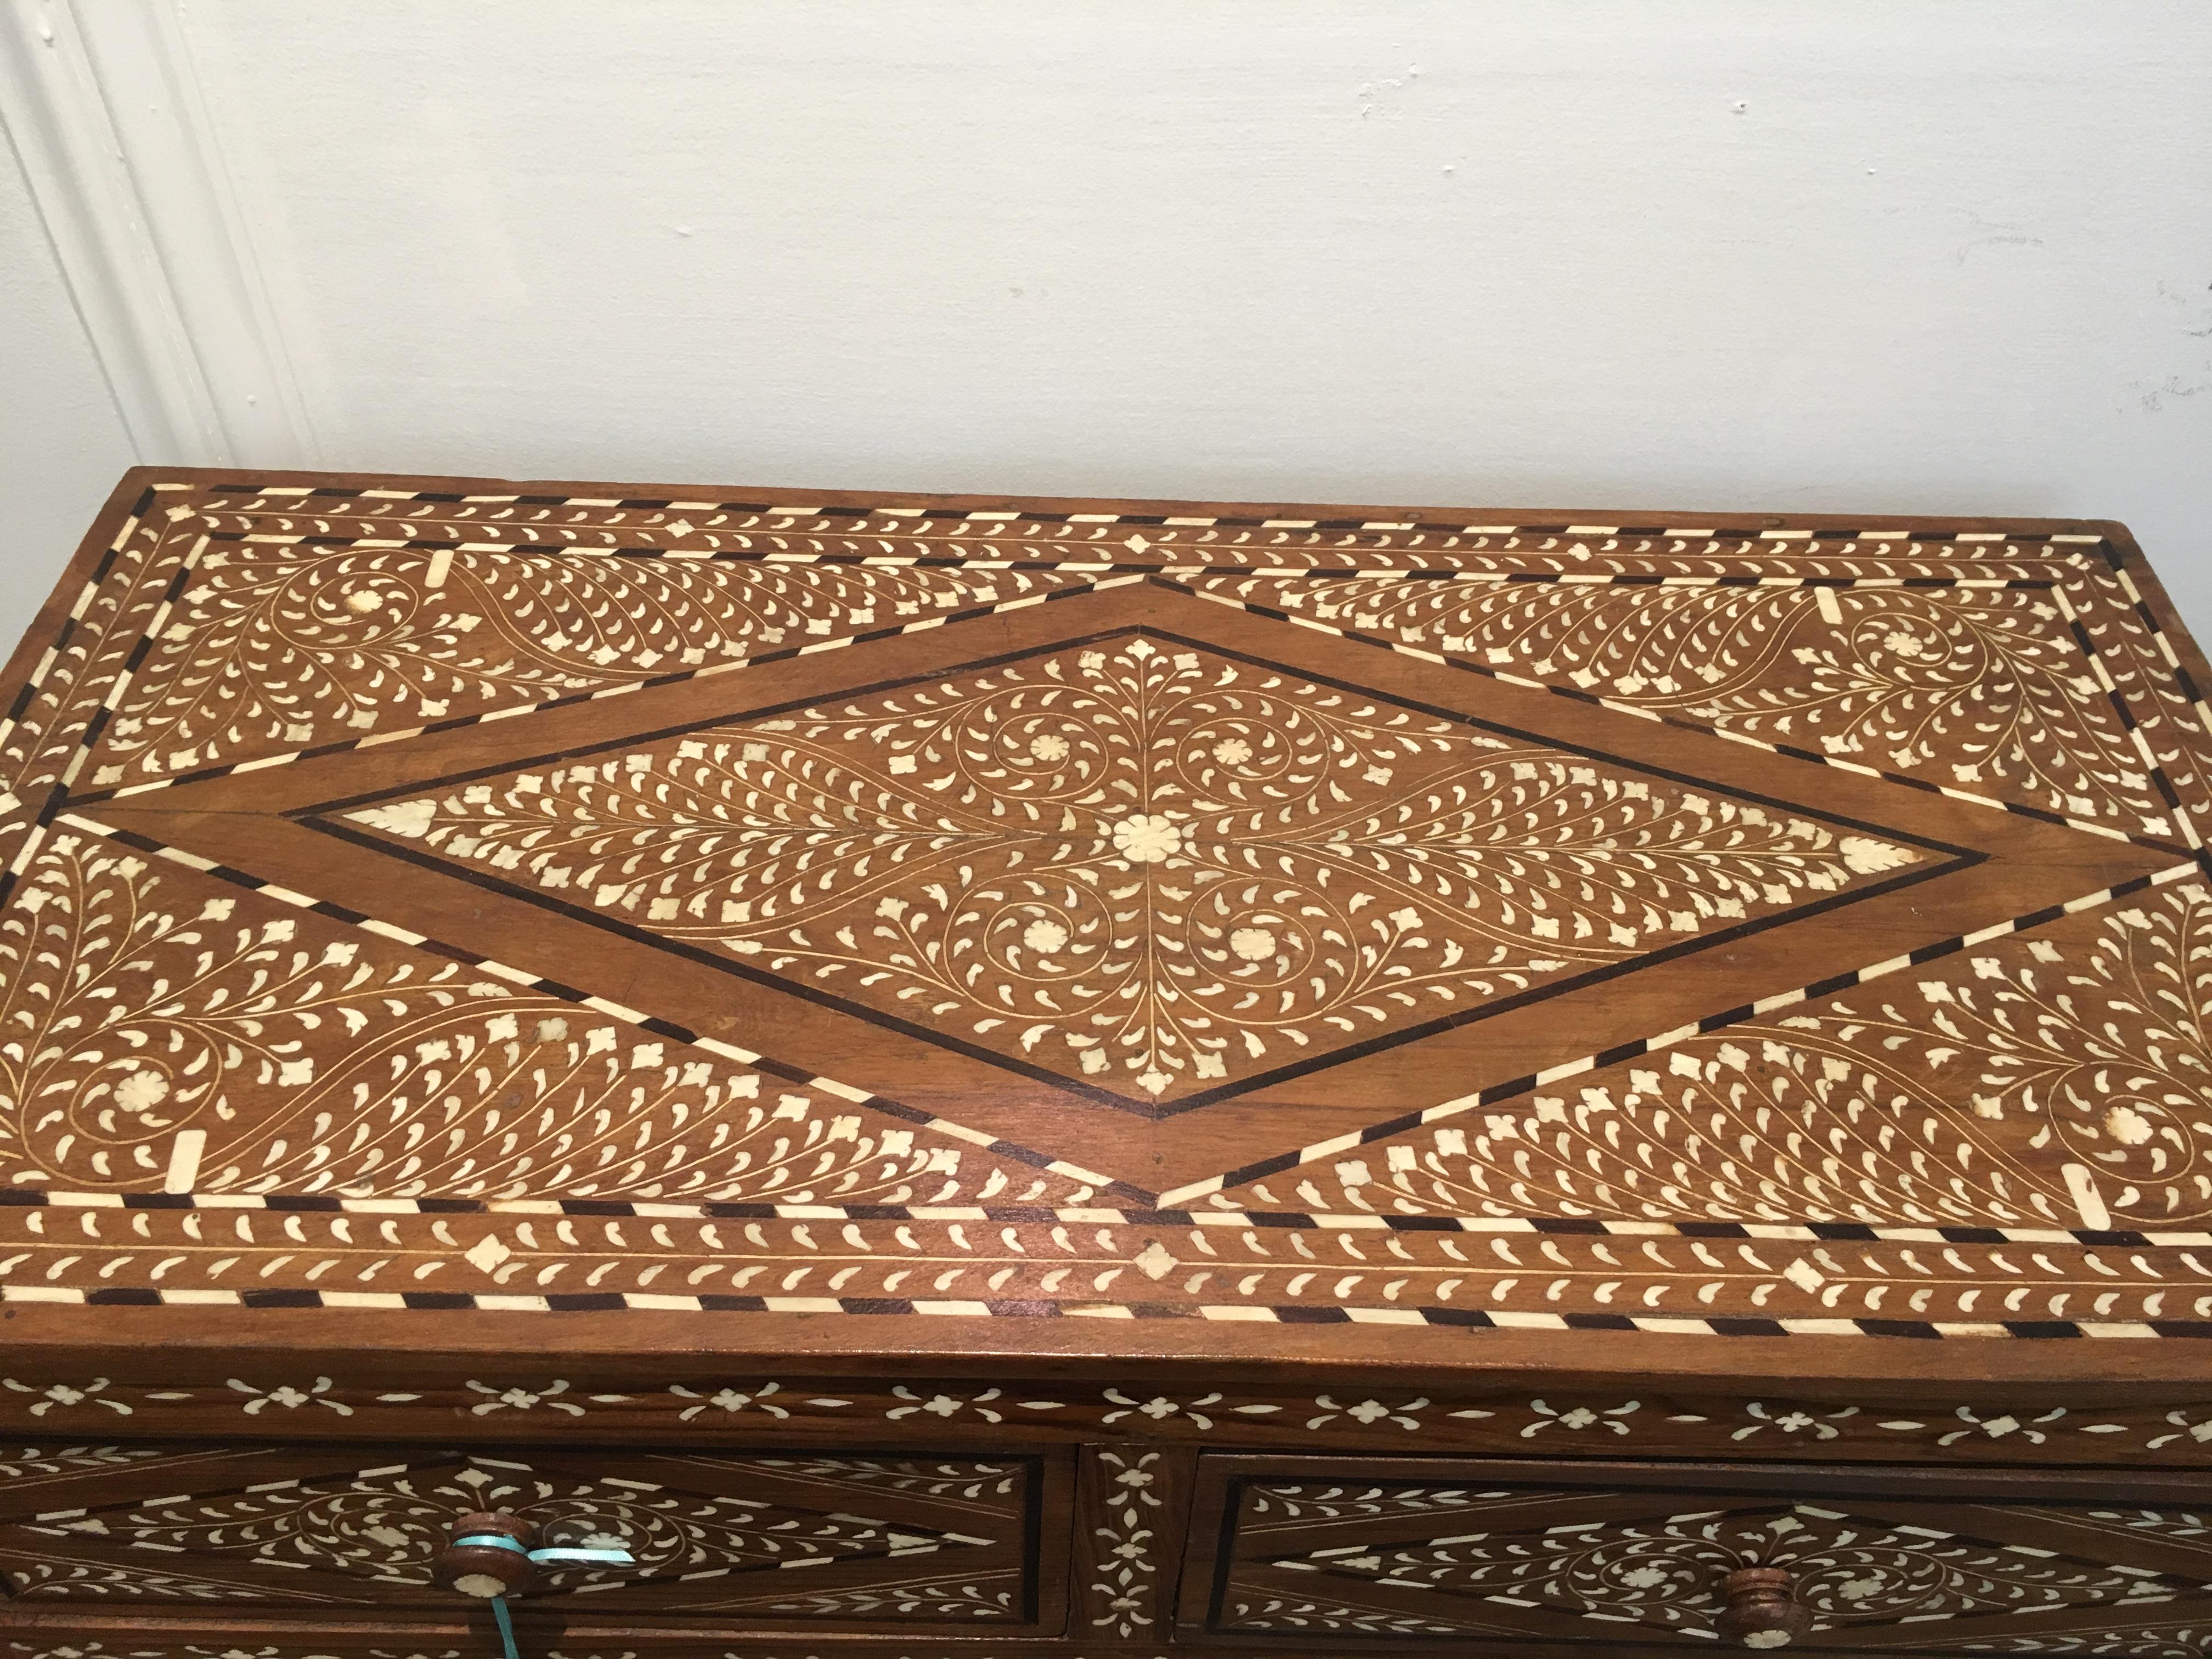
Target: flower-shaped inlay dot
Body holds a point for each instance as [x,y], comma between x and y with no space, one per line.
[1149,868]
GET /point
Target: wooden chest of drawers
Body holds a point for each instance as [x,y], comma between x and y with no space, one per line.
[1010,1079]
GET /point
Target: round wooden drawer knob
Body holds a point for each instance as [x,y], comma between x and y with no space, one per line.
[1763,1610]
[484,1571]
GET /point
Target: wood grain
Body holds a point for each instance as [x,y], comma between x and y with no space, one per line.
[1106,986]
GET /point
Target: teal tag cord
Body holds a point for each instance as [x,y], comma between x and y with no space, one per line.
[588,1558]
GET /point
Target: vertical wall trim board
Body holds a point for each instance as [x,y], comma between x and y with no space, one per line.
[105,114]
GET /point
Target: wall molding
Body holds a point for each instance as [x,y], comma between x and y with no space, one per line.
[104,107]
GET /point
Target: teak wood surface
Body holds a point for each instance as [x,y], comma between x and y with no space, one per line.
[1132,994]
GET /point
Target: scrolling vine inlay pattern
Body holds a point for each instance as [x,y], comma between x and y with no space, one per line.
[1556,1554]
[1146,865]
[419,900]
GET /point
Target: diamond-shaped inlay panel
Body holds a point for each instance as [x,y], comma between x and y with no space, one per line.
[1153,869]
[435,898]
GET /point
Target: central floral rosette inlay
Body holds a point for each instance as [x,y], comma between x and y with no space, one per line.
[1148,838]
[1138,866]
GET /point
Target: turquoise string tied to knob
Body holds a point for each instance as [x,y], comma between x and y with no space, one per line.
[608,1557]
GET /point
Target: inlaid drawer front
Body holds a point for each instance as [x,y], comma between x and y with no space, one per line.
[1498,1553]
[892,1538]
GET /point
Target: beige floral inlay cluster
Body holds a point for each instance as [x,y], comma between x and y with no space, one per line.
[1138,863]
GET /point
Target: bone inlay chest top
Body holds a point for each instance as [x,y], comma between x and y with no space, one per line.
[447,918]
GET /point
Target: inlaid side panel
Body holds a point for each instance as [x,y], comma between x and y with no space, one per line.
[1132,1504]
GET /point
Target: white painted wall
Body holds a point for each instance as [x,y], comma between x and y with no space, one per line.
[1716,254]
[61,442]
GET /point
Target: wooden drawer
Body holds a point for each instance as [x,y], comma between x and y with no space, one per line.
[1513,1557]
[837,1540]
